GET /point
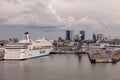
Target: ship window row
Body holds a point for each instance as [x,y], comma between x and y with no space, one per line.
[16,47]
[47,47]
[34,48]
[44,47]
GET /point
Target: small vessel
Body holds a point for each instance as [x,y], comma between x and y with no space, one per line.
[27,49]
[113,47]
[99,45]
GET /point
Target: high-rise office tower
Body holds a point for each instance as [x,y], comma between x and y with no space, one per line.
[94,37]
[82,33]
[69,35]
[99,37]
[77,37]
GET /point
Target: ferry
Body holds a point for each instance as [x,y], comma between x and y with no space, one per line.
[27,49]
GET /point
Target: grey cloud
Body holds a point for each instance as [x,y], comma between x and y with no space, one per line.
[3,19]
[45,28]
[51,15]
[34,12]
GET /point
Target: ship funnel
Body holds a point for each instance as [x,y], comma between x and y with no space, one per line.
[27,37]
[26,33]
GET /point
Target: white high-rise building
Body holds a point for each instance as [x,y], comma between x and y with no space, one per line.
[99,37]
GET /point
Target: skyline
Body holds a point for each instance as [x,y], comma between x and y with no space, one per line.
[50,18]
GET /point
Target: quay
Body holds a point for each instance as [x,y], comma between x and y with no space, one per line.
[1,53]
[67,52]
[96,58]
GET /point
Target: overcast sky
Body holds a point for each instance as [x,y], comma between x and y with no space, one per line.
[50,18]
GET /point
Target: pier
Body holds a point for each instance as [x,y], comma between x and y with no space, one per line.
[95,56]
[108,58]
[67,52]
[1,53]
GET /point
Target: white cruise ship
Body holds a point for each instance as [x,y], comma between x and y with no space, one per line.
[27,49]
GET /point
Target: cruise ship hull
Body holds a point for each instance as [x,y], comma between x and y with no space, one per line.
[16,55]
[27,48]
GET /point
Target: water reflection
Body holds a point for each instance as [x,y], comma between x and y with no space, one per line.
[79,56]
[58,67]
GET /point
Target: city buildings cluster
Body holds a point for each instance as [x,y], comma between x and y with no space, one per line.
[98,37]
[81,36]
[70,36]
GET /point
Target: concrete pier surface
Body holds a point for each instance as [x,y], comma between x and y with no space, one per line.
[104,57]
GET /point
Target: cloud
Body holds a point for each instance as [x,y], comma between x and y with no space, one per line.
[26,12]
[59,12]
[59,15]
[3,19]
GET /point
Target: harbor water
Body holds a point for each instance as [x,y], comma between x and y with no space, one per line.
[59,67]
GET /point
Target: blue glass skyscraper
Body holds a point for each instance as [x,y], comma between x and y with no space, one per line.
[94,37]
[69,35]
[82,33]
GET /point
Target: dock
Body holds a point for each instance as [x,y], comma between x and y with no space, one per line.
[97,58]
[67,52]
[2,53]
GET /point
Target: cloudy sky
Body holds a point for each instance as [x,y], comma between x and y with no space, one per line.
[50,18]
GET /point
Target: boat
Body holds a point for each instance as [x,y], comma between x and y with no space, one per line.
[99,46]
[27,49]
[113,47]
